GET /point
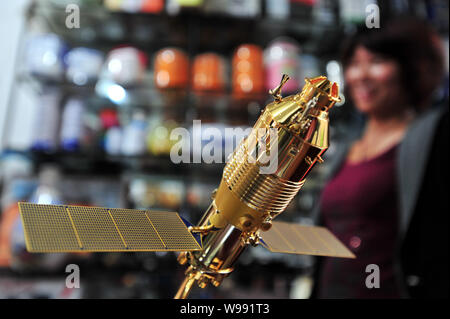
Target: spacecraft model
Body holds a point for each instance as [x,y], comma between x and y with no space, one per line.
[263,175]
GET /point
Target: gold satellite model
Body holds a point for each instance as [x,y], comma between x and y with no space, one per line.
[292,132]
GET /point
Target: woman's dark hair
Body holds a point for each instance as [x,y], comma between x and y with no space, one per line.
[411,43]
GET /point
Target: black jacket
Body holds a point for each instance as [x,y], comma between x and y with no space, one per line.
[422,175]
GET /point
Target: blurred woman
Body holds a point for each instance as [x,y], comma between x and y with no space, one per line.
[372,193]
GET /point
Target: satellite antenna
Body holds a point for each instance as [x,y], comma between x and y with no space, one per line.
[264,174]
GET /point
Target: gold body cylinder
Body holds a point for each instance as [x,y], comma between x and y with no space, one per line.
[263,175]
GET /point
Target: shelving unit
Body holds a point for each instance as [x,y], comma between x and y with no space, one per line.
[156,275]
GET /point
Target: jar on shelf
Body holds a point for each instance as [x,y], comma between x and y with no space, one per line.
[171,69]
[44,56]
[282,56]
[247,70]
[208,73]
[125,66]
[83,65]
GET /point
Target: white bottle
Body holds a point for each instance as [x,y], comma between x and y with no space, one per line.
[134,135]
[45,137]
[72,125]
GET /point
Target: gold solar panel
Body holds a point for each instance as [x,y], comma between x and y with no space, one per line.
[48,228]
[61,228]
[137,230]
[305,240]
[171,230]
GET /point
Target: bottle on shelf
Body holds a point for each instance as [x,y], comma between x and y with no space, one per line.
[72,126]
[45,137]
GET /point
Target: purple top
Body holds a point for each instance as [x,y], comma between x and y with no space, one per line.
[359,205]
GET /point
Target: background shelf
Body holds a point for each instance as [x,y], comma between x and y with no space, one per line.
[93,175]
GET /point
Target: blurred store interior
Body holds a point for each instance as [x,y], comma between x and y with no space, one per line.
[87,107]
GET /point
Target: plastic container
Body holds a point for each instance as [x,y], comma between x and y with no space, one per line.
[44,56]
[247,70]
[171,69]
[125,66]
[282,56]
[72,125]
[45,136]
[208,73]
[83,65]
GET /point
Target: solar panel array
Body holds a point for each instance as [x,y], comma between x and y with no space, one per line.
[63,228]
[305,240]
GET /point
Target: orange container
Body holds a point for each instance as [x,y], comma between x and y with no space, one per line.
[248,70]
[171,69]
[152,6]
[208,73]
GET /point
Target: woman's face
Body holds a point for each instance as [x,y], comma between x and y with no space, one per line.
[374,83]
